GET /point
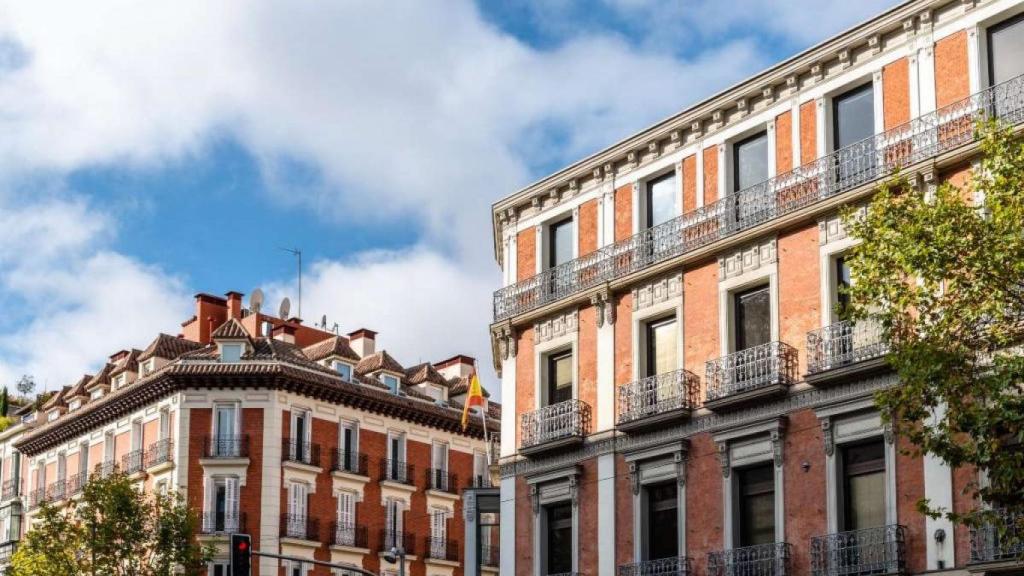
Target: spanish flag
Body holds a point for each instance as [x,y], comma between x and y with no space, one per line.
[474,398]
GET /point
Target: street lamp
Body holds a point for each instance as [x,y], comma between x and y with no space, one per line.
[396,554]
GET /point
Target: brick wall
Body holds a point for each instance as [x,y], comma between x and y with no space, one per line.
[588,488]
[525,400]
[624,552]
[588,227]
[783,142]
[703,501]
[586,377]
[952,82]
[524,530]
[526,253]
[624,212]
[799,288]
[804,490]
[896,93]
[910,489]
[250,502]
[710,174]
[808,132]
[623,329]
[689,185]
[700,318]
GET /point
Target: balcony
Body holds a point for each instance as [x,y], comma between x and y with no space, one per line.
[392,470]
[490,555]
[676,566]
[7,550]
[442,480]
[845,349]
[57,491]
[397,539]
[159,452]
[860,552]
[441,549]
[302,452]
[76,483]
[350,463]
[761,560]
[481,481]
[36,498]
[657,399]
[222,523]
[844,170]
[555,426]
[300,527]
[105,469]
[10,489]
[349,535]
[131,463]
[989,544]
[753,374]
[226,446]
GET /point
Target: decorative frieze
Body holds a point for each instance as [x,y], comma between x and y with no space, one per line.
[657,291]
[827,436]
[747,259]
[556,326]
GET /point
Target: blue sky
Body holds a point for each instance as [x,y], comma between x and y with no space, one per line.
[148,154]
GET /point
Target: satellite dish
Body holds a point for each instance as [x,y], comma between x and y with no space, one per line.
[286,307]
[256,301]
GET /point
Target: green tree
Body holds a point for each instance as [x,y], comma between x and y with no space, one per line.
[4,406]
[944,276]
[113,530]
[26,386]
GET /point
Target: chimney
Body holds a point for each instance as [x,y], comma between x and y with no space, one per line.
[118,356]
[284,333]
[363,341]
[459,366]
[234,304]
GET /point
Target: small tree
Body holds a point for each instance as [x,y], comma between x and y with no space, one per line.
[26,386]
[945,279]
[4,407]
[115,530]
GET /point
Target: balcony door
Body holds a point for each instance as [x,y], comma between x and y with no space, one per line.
[755,490]
[752,316]
[863,486]
[559,378]
[224,431]
[853,120]
[661,346]
[661,200]
[662,521]
[1006,50]
[558,538]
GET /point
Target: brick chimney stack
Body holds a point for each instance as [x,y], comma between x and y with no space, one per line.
[459,366]
[363,341]
[284,332]
[234,304]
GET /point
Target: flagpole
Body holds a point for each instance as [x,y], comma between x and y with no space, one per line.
[483,419]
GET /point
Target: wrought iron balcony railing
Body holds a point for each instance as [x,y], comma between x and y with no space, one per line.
[11,489]
[442,480]
[76,483]
[666,393]
[351,462]
[845,169]
[36,498]
[7,550]
[397,539]
[56,491]
[302,452]
[349,535]
[159,452]
[771,364]
[223,522]
[761,560]
[299,526]
[441,549]
[555,423]
[675,566]
[843,344]
[490,555]
[392,470]
[132,461]
[105,469]
[990,543]
[226,446]
[880,550]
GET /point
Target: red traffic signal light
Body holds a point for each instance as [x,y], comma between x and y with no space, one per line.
[241,554]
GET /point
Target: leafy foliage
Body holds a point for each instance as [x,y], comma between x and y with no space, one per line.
[26,385]
[944,275]
[115,530]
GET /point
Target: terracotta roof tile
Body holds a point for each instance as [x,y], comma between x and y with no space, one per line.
[335,346]
[230,329]
[425,372]
[129,363]
[78,389]
[56,400]
[102,378]
[168,347]
[379,361]
[460,385]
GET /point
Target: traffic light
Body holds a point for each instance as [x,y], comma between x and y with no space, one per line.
[241,554]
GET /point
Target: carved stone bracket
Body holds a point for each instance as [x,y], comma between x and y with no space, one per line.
[574,491]
[827,436]
[604,304]
[723,458]
[680,461]
[888,433]
[535,498]
[505,336]
[776,436]
[634,477]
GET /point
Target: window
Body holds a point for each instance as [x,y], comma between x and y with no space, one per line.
[438,533]
[661,199]
[349,442]
[297,510]
[662,521]
[300,436]
[560,243]
[83,460]
[74,405]
[752,317]
[219,570]
[224,431]
[1006,50]
[660,336]
[750,161]
[863,485]
[853,116]
[53,415]
[396,456]
[756,503]
[480,475]
[136,435]
[230,352]
[222,505]
[96,394]
[119,381]
[435,393]
[344,370]
[842,283]
[559,377]
[346,535]
[439,463]
[392,523]
[391,382]
[62,467]
[108,447]
[558,538]
[165,423]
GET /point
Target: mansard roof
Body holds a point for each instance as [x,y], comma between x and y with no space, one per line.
[128,363]
[232,329]
[425,372]
[168,347]
[379,361]
[334,346]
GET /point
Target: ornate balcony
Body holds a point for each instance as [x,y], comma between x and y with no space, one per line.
[36,498]
[222,522]
[76,483]
[662,567]
[105,469]
[350,462]
[657,399]
[988,544]
[442,480]
[11,489]
[57,491]
[302,452]
[555,426]
[392,470]
[752,374]
[760,560]
[226,446]
[441,549]
[299,527]
[349,535]
[878,550]
[397,539]
[132,461]
[845,349]
[846,169]
[159,452]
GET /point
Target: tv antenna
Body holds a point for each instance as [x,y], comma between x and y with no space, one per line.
[298,255]
[256,301]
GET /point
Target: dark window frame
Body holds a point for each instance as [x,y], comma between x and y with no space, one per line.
[650,348]
[552,228]
[736,147]
[844,503]
[649,194]
[839,263]
[868,87]
[740,528]
[990,61]
[738,335]
[551,371]
[557,524]
[665,504]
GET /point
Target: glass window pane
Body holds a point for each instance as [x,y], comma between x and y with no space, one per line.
[842,282]
[661,199]
[559,378]
[853,116]
[661,340]
[753,318]
[1006,50]
[757,505]
[864,485]
[559,541]
[662,522]
[750,161]
[561,243]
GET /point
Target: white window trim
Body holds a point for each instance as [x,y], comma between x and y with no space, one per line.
[565,343]
[403,444]
[554,488]
[656,312]
[728,288]
[751,446]
[237,407]
[655,466]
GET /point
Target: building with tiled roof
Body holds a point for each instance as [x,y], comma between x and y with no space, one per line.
[316,444]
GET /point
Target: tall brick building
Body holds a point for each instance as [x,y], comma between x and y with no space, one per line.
[681,396]
[318,445]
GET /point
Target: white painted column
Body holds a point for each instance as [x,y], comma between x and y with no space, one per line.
[511,256]
[606,376]
[507,529]
[821,127]
[700,173]
[608,210]
[508,416]
[723,191]
[605,515]
[938,489]
[878,96]
[772,164]
[795,122]
[926,78]
[270,495]
[975,67]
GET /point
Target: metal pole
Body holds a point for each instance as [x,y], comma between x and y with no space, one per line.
[317,562]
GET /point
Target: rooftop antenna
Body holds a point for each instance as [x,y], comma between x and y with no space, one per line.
[335,328]
[298,254]
[323,322]
[286,306]
[256,301]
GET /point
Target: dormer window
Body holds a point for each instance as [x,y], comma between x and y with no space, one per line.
[74,405]
[53,415]
[119,381]
[435,393]
[344,370]
[96,394]
[391,382]
[230,352]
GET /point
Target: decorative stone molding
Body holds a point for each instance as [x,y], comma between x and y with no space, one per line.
[875,44]
[827,436]
[556,326]
[604,305]
[818,71]
[505,337]
[723,458]
[574,491]
[747,259]
[831,229]
[908,27]
[680,460]
[657,291]
[535,498]
[888,433]
[776,437]
[844,57]
[768,93]
[634,477]
[653,148]
[696,126]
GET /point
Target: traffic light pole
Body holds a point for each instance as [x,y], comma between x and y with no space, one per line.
[347,567]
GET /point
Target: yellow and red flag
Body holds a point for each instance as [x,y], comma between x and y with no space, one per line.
[475,397]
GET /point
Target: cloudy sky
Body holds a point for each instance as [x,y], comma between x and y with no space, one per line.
[149,151]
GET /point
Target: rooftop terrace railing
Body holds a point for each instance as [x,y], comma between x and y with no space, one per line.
[845,169]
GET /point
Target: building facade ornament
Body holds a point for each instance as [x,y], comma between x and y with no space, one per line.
[680,460]
[604,305]
[827,436]
[634,477]
[556,326]
[723,458]
[776,437]
[657,291]
[747,259]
